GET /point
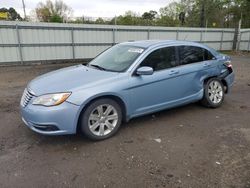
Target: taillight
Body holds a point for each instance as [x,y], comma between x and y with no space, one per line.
[229,66]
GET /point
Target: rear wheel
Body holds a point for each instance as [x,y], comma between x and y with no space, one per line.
[101,119]
[213,93]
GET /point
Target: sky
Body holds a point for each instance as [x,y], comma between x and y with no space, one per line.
[94,8]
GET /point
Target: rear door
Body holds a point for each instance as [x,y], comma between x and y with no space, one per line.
[194,65]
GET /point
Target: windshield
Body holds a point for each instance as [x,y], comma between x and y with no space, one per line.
[117,58]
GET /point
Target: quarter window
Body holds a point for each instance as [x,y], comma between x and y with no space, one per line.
[161,59]
[208,55]
[193,54]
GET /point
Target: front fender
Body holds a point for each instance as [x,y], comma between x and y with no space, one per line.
[83,98]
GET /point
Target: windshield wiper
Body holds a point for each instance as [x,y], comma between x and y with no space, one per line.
[100,68]
[97,66]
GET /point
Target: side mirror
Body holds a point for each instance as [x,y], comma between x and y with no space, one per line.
[144,71]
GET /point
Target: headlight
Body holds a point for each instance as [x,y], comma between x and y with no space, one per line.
[51,99]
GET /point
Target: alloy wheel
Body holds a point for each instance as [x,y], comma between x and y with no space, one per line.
[215,92]
[103,119]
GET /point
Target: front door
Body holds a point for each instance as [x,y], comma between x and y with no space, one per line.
[161,89]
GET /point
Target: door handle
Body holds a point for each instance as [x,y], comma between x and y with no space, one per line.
[174,72]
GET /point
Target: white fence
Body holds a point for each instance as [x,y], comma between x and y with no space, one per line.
[22,42]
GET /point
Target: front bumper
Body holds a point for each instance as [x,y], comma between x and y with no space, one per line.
[55,120]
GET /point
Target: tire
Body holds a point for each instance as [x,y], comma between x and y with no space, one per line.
[213,93]
[101,119]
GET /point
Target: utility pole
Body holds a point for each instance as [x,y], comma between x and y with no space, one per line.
[24,12]
[115,20]
[237,33]
[202,13]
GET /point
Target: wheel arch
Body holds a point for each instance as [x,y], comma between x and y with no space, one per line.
[221,79]
[208,78]
[116,98]
[225,85]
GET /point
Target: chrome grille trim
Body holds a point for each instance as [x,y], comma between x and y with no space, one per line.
[27,96]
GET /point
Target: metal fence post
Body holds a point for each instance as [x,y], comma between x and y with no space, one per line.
[113,34]
[201,37]
[248,48]
[148,34]
[19,45]
[177,34]
[73,43]
[221,39]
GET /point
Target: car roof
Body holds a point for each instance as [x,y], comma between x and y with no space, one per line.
[153,43]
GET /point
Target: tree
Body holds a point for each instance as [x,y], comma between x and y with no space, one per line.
[187,13]
[53,12]
[169,15]
[12,14]
[99,21]
[182,17]
[149,15]
[202,14]
[130,18]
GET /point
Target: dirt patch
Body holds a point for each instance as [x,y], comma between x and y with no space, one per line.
[246,133]
[190,146]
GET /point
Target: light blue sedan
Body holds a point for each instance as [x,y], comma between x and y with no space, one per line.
[128,80]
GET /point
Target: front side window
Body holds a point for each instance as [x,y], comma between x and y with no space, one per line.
[160,59]
[117,58]
[193,54]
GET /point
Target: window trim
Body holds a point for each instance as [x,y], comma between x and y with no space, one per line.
[151,51]
[179,57]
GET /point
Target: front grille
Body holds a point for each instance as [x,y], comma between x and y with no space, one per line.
[27,96]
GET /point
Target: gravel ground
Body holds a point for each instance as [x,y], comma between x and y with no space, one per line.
[190,146]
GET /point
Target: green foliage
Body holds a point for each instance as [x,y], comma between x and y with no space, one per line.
[100,21]
[12,14]
[53,12]
[186,13]
[149,15]
[210,13]
[56,18]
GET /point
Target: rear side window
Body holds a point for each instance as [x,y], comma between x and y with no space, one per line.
[160,59]
[208,55]
[193,54]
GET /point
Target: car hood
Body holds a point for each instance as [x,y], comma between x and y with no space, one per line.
[70,79]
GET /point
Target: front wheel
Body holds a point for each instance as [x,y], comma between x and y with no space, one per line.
[213,93]
[101,119]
